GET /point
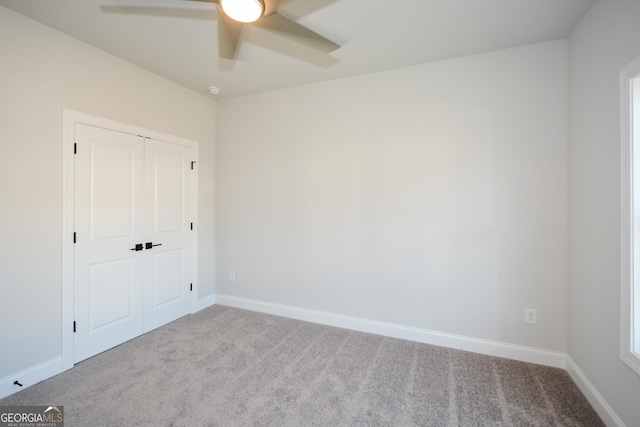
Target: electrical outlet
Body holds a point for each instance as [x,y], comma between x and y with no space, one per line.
[530,316]
[232,275]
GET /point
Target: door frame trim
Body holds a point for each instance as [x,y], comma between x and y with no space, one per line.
[69,120]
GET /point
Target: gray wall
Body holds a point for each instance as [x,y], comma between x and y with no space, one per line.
[432,196]
[606,40]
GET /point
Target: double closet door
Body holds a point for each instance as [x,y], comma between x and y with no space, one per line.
[133,236]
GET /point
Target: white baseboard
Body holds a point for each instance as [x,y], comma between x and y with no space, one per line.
[205,302]
[53,367]
[30,376]
[609,417]
[476,345]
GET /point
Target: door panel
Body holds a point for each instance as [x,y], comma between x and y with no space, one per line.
[111,198]
[169,196]
[169,192]
[111,290]
[108,222]
[168,277]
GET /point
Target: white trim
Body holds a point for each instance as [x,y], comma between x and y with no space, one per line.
[69,120]
[627,314]
[460,342]
[194,242]
[205,302]
[608,415]
[30,376]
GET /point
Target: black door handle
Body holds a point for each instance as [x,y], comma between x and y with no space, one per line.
[149,245]
[138,247]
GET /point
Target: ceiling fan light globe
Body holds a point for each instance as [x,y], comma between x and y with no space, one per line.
[243,10]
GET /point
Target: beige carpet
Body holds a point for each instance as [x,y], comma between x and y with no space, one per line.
[229,367]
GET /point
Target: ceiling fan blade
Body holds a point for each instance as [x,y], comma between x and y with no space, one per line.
[271,6]
[297,9]
[284,26]
[228,35]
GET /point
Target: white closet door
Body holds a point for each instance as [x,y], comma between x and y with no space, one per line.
[168,195]
[109,194]
[133,250]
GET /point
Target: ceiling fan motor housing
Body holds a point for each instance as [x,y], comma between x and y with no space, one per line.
[243,10]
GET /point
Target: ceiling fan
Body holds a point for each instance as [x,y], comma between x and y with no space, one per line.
[233,15]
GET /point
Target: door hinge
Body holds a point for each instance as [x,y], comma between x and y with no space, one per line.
[74,326]
[75,148]
[74,237]
[191,287]
[192,163]
[191,226]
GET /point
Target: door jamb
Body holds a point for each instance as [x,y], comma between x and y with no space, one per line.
[69,120]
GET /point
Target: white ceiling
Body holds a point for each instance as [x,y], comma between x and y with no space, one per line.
[178,39]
